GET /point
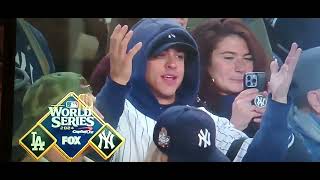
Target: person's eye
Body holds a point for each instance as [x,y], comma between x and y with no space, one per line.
[228,57]
[248,58]
[181,56]
[159,56]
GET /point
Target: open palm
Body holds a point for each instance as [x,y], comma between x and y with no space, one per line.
[280,80]
[120,60]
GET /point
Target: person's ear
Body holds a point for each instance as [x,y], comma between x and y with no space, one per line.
[210,71]
[314,100]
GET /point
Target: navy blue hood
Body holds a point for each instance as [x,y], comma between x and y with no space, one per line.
[306,76]
[154,32]
[26,59]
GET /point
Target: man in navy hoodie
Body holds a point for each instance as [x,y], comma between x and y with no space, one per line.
[156,66]
[304,116]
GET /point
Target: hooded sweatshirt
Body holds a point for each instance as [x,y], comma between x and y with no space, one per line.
[132,109]
[307,126]
[26,58]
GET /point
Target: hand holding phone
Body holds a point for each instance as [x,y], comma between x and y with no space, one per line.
[256,80]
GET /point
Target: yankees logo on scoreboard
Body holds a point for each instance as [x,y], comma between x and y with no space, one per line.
[107,141]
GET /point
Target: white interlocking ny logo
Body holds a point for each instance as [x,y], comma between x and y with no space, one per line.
[107,140]
[205,138]
[171,36]
[260,101]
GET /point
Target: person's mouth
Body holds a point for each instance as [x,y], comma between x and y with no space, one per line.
[237,80]
[169,79]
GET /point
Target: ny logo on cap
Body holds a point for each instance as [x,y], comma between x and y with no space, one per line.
[171,36]
[205,138]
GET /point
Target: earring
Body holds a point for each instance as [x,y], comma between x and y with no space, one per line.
[212,80]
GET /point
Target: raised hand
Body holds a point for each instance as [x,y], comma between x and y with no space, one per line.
[120,60]
[280,80]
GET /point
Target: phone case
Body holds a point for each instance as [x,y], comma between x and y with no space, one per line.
[255,80]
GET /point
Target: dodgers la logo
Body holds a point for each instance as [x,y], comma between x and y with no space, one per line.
[205,138]
[37,141]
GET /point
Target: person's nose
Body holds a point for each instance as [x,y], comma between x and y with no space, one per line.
[240,65]
[172,60]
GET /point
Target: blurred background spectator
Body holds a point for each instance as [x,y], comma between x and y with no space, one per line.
[283,31]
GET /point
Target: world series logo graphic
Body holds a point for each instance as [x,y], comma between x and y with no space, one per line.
[71,126]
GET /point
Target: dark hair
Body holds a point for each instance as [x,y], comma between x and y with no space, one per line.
[208,35]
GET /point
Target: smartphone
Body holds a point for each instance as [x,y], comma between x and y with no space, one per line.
[255,80]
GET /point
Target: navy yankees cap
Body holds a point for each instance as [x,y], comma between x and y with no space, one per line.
[177,38]
[306,76]
[187,134]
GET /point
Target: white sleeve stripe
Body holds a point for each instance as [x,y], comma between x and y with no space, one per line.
[124,146]
[145,117]
[243,150]
[136,138]
[135,129]
[142,141]
[131,138]
[228,135]
[130,141]
[223,141]
[219,119]
[291,141]
[130,147]
[223,149]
